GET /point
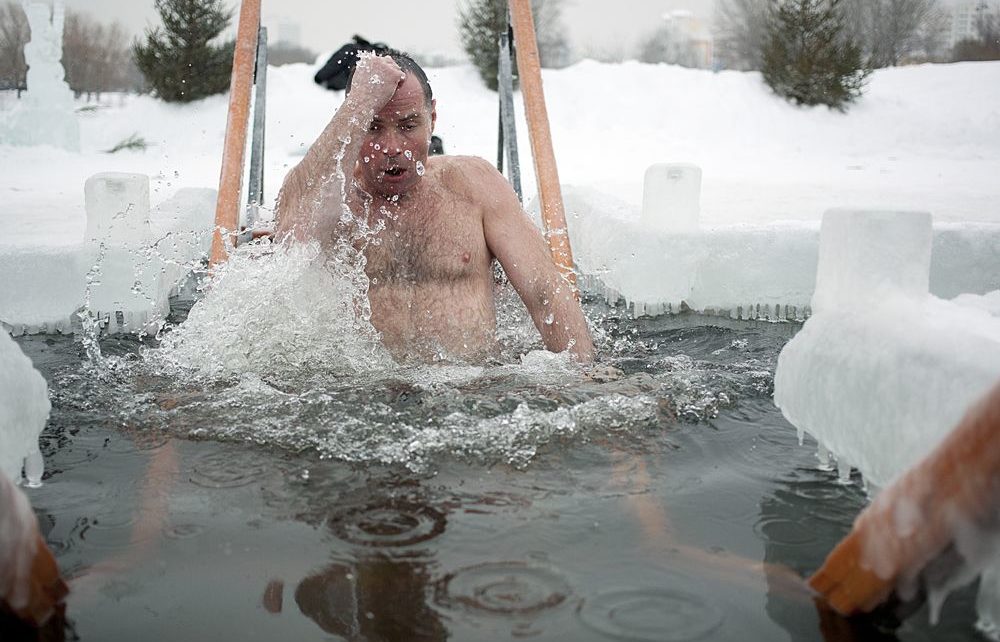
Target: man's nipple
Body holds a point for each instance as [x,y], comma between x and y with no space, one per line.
[466,257]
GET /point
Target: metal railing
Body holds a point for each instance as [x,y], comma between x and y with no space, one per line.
[255,188]
[507,135]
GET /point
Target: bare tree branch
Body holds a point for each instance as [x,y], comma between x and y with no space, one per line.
[14,34]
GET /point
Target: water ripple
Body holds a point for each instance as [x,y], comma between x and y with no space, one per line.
[650,614]
[388,524]
[223,470]
[183,531]
[504,588]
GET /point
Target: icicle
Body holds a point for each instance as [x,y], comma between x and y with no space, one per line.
[34,466]
[843,471]
[823,455]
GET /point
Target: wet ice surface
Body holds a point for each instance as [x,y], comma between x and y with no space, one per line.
[449,501]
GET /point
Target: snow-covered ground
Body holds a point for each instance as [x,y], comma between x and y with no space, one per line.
[924,137]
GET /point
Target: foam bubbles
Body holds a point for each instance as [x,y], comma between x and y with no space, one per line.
[286,311]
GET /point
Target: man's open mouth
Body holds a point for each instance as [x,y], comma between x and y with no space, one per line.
[395,171]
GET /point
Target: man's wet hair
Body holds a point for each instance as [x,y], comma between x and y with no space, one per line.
[408,65]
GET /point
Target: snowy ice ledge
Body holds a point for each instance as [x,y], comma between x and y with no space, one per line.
[742,271]
[24,409]
[882,371]
[131,259]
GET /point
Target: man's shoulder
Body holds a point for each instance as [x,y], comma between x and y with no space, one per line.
[464,169]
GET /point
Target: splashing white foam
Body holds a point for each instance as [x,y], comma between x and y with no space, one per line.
[286,311]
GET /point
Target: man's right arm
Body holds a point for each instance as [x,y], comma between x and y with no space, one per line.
[312,193]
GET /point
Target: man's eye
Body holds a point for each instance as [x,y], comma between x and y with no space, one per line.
[374,127]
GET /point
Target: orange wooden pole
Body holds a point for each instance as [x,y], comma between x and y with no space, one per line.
[549,191]
[227,207]
[957,483]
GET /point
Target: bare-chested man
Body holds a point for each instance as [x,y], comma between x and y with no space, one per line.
[445,219]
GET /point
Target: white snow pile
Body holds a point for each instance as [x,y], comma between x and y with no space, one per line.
[747,271]
[123,267]
[24,409]
[882,371]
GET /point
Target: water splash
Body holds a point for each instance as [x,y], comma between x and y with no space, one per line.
[285,312]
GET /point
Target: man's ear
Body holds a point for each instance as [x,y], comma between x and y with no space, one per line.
[434,114]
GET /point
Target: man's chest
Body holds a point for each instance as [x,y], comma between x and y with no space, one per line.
[440,244]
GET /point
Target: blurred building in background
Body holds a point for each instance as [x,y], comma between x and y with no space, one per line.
[964,15]
[681,39]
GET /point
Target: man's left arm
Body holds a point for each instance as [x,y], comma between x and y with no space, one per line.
[519,246]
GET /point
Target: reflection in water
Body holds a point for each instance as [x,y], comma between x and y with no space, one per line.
[616,500]
[651,614]
[14,630]
[376,598]
[393,522]
[506,588]
[380,596]
[797,530]
[800,522]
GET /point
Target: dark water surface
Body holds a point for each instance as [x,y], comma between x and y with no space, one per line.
[643,516]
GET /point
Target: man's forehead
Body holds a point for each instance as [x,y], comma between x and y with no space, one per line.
[409,100]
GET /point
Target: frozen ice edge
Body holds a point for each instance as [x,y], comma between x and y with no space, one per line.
[765,272]
[883,370]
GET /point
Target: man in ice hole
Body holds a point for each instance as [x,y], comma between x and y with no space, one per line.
[442,221]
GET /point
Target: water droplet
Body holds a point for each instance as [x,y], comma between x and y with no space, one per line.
[420,169]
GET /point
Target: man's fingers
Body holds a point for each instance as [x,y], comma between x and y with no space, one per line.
[379,68]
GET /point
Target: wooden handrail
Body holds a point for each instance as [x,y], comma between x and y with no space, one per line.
[549,191]
[227,208]
[956,484]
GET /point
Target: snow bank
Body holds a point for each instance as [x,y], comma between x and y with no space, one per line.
[129,261]
[744,271]
[24,409]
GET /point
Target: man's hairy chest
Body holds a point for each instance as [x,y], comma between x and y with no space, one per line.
[440,243]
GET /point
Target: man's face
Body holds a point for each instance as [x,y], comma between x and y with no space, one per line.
[395,148]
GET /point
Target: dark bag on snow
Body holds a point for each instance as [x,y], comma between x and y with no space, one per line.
[336,71]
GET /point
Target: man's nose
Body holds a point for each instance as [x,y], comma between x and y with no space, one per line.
[392,144]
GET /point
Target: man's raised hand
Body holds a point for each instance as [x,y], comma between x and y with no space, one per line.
[375,81]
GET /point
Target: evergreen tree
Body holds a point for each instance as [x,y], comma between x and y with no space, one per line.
[809,59]
[180,62]
[480,23]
